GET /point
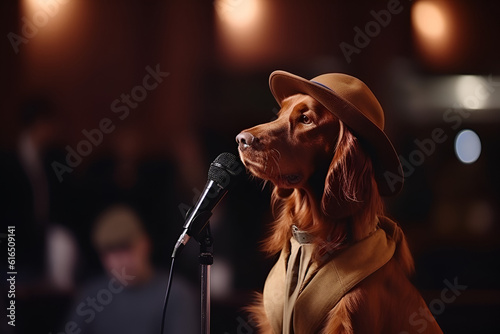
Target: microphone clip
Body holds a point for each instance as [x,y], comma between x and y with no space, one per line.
[195,229]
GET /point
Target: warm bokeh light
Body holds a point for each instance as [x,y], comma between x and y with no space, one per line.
[467,146]
[30,6]
[242,30]
[44,11]
[438,32]
[429,19]
[45,23]
[237,13]
[55,34]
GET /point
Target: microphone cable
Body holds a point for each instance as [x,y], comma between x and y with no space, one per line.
[167,295]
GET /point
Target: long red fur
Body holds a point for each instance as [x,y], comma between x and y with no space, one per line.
[340,209]
[349,182]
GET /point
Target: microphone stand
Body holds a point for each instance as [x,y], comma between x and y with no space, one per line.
[225,167]
[206,259]
[203,234]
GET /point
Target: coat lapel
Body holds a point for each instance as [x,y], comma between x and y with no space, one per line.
[324,284]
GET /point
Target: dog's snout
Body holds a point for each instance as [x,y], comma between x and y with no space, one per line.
[245,139]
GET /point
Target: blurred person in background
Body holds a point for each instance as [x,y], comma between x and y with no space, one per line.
[125,173]
[129,297]
[36,204]
[35,201]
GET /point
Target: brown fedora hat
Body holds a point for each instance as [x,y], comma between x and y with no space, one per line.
[354,104]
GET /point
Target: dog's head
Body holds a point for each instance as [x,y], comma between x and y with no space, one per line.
[308,148]
[288,150]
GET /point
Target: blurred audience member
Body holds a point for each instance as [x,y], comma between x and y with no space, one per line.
[125,173]
[32,198]
[129,298]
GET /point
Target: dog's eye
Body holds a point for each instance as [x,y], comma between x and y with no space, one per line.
[304,119]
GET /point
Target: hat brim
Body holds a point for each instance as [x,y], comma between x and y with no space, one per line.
[388,170]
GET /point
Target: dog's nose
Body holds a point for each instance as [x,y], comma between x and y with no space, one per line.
[244,139]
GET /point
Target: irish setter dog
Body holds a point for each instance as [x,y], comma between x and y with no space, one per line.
[324,184]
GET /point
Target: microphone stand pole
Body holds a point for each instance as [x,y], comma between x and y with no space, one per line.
[200,230]
[206,259]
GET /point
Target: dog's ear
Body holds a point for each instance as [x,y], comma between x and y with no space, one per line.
[348,180]
[351,191]
[335,181]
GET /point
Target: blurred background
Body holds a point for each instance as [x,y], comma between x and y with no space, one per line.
[123,104]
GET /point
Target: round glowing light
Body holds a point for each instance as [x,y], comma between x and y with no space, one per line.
[471,92]
[428,19]
[237,13]
[467,146]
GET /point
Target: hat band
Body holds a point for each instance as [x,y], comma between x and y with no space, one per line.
[319,83]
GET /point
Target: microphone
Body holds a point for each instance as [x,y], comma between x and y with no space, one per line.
[223,174]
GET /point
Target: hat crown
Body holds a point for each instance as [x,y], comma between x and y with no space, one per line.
[357,93]
[349,99]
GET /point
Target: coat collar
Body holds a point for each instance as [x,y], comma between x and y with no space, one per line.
[324,283]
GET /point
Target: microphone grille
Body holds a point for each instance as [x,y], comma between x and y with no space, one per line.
[219,176]
[223,167]
[230,162]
